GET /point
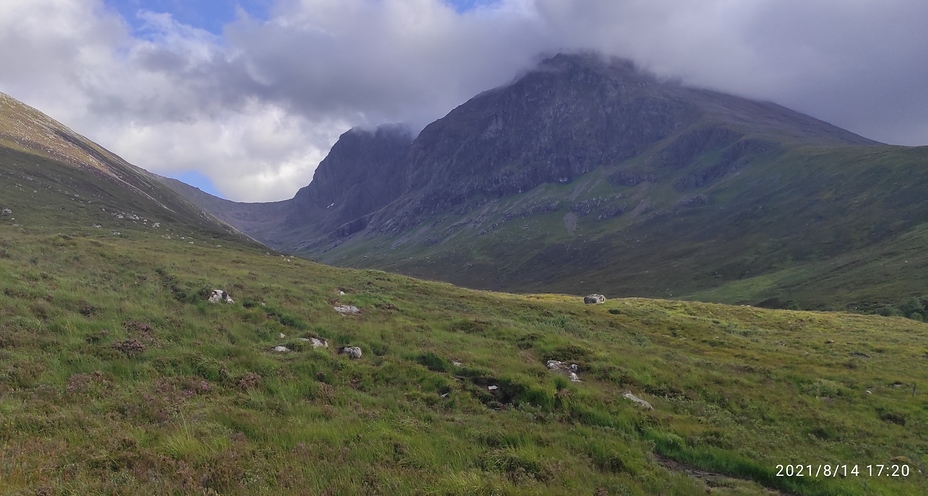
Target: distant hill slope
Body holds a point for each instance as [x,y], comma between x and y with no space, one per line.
[587,174]
[56,179]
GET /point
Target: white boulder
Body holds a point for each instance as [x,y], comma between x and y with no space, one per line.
[642,403]
[347,309]
[218,296]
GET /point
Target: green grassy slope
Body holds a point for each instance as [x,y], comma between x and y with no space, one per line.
[117,376]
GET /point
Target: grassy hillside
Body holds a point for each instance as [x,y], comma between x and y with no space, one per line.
[117,376]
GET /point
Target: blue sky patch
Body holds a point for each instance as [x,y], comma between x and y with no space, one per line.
[462,6]
[197,180]
[210,15]
[213,15]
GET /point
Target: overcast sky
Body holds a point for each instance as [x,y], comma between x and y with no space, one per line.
[245,97]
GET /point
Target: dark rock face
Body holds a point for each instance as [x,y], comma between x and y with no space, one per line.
[362,173]
[571,115]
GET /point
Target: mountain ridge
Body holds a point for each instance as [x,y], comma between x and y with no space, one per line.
[50,157]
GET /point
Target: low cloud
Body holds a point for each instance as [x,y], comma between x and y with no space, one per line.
[258,107]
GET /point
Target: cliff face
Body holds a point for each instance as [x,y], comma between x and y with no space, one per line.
[570,115]
[362,173]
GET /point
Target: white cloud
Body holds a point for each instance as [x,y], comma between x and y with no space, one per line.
[257,108]
[257,154]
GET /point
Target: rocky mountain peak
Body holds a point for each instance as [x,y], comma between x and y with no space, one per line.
[555,123]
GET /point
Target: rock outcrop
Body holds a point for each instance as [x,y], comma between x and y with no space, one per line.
[568,369]
[353,352]
[315,342]
[640,402]
[347,309]
[594,299]
[220,296]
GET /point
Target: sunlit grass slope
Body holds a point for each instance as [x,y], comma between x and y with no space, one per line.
[117,376]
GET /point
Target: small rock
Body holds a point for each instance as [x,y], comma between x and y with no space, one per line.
[340,292]
[282,336]
[637,400]
[594,299]
[569,369]
[353,352]
[347,309]
[281,349]
[316,342]
[492,388]
[456,364]
[830,341]
[219,295]
[6,211]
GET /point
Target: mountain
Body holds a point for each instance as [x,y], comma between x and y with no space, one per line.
[587,174]
[120,375]
[53,176]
